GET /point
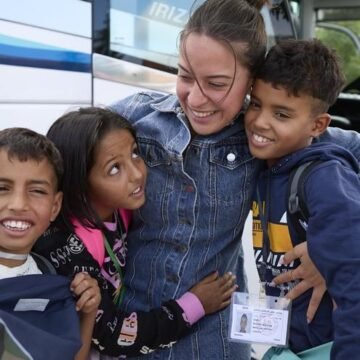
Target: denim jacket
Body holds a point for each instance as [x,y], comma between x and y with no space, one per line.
[198,195]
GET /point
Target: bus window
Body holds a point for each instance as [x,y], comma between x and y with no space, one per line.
[148,30]
[279,22]
[147,33]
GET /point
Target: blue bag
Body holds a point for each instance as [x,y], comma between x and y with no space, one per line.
[38,313]
[321,352]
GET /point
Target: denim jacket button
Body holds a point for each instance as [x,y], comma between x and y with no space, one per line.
[231,157]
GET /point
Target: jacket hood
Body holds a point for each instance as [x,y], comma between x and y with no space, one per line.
[322,151]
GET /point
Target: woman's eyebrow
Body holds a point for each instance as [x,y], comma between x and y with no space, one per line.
[216,76]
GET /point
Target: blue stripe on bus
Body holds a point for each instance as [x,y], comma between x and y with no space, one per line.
[26,53]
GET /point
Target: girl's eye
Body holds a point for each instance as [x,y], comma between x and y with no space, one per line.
[114,169]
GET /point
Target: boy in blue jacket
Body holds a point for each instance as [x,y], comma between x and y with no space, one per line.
[290,98]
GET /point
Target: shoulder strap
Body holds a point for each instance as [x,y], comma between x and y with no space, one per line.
[43,264]
[298,212]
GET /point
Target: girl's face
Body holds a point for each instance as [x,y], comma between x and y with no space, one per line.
[211,83]
[117,178]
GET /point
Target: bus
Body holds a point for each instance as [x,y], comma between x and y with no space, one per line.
[58,55]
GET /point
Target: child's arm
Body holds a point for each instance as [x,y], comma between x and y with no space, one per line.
[87,290]
[117,333]
[309,275]
[211,294]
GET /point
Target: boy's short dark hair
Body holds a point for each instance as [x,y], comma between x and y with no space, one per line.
[25,144]
[304,67]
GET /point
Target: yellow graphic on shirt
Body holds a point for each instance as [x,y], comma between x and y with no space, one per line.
[279,236]
[280,243]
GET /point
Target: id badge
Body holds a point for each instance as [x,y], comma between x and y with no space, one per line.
[258,318]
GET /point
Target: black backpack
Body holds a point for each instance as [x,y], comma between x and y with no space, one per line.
[297,210]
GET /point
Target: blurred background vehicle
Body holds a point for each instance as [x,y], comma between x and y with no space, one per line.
[65,53]
[337,24]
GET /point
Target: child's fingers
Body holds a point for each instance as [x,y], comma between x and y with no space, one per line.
[227,294]
[78,278]
[226,298]
[210,278]
[227,281]
[224,304]
[89,299]
[81,282]
[86,299]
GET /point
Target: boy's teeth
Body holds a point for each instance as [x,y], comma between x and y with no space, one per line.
[261,138]
[17,225]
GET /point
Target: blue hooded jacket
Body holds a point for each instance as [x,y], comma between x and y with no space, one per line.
[332,195]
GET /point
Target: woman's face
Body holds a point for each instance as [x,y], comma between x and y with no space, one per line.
[211,84]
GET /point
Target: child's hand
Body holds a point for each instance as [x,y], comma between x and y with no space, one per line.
[87,290]
[215,291]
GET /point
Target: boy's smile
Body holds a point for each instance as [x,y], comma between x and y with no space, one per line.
[278,123]
[28,202]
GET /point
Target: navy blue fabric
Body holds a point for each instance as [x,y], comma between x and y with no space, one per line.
[332,195]
[50,334]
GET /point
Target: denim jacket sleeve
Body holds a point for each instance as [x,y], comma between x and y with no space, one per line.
[350,140]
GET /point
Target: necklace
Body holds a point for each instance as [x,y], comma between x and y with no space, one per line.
[11,256]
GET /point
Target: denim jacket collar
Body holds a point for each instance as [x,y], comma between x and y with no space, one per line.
[168,104]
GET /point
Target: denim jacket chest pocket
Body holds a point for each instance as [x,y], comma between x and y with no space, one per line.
[158,162]
[231,168]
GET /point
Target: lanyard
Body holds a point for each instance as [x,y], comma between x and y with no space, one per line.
[263,213]
[120,294]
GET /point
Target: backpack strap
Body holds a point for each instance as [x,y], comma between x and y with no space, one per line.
[298,212]
[43,264]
